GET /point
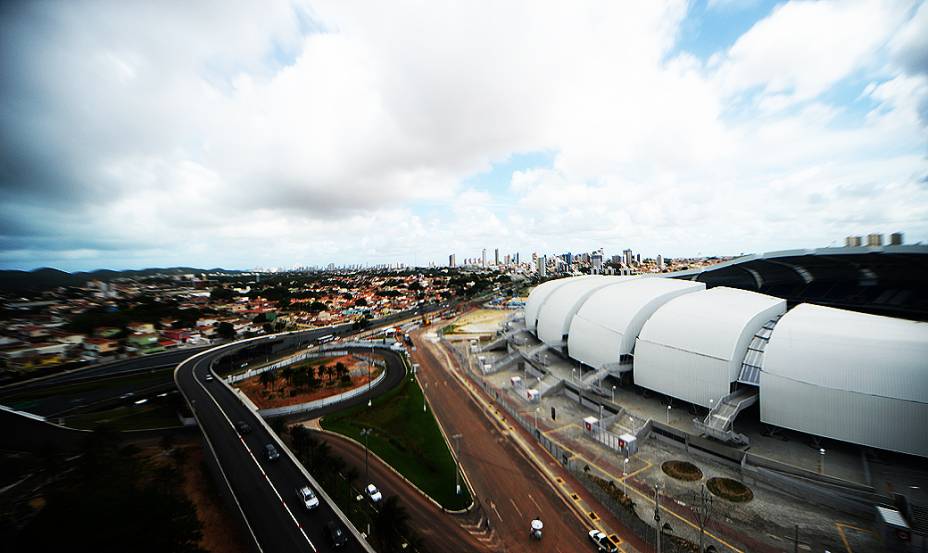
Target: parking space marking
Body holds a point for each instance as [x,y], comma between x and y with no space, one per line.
[841,526]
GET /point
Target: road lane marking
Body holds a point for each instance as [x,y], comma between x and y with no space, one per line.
[493,506]
[535,502]
[260,468]
[516,507]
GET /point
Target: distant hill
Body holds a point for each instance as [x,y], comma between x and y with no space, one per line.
[47,278]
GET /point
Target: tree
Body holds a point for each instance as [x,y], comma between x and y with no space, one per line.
[226,330]
[220,293]
[703,510]
[265,379]
[391,526]
[311,380]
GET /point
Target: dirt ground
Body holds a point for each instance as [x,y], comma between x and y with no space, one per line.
[480,321]
[260,395]
[221,531]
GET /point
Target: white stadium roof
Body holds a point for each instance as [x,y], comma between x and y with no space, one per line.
[849,376]
[558,310]
[851,351]
[538,296]
[693,346]
[608,323]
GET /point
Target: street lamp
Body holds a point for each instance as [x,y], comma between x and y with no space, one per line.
[821,463]
[573,374]
[365,432]
[423,396]
[625,477]
[668,414]
[613,393]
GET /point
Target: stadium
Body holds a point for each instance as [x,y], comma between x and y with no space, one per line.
[829,342]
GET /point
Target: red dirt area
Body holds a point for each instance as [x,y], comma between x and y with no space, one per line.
[278,393]
[221,532]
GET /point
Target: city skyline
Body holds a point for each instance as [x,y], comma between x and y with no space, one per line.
[310,133]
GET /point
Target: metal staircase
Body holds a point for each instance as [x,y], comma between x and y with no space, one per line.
[754,359]
[720,420]
[502,339]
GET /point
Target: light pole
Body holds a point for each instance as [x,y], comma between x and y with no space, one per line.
[625,477]
[668,414]
[370,365]
[457,469]
[573,374]
[365,432]
[613,393]
[423,396]
[821,462]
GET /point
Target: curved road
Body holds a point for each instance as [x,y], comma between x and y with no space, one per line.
[266,490]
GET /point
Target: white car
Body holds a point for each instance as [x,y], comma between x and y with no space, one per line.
[373,493]
[602,541]
[308,498]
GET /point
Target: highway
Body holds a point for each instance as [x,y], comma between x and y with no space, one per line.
[266,490]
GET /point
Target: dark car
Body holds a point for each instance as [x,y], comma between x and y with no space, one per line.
[271,452]
[337,534]
[243,427]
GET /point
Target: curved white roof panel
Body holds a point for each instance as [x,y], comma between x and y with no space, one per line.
[851,351]
[848,376]
[608,323]
[538,295]
[693,345]
[562,304]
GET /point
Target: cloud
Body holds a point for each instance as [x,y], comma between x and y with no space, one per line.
[803,48]
[293,132]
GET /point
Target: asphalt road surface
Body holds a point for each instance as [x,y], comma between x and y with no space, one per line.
[441,532]
[511,491]
[265,490]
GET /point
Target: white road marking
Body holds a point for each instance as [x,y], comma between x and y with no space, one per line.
[516,507]
[248,449]
[493,505]
[534,502]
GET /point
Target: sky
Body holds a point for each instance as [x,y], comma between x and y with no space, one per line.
[291,133]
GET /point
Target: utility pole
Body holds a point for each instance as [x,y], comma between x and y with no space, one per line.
[365,432]
[657,514]
[457,469]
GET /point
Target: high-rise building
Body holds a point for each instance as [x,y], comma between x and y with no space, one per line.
[629,259]
[517,258]
[660,262]
[483,258]
[852,242]
[508,258]
[496,257]
[874,240]
[452,262]
[541,267]
[597,262]
[895,239]
[568,258]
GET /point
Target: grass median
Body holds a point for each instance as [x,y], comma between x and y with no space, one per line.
[408,439]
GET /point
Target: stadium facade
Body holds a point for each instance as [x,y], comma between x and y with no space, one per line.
[836,373]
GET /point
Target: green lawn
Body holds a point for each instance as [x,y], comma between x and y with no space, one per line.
[408,439]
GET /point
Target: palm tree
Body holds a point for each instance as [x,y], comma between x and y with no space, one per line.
[391,526]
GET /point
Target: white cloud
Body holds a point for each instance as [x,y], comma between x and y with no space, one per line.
[230,137]
[803,48]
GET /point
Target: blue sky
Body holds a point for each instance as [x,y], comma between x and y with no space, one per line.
[306,132]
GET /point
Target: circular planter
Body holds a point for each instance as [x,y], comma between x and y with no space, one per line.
[730,490]
[682,470]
